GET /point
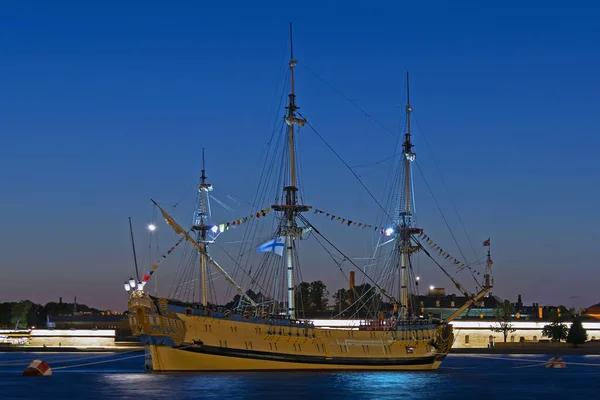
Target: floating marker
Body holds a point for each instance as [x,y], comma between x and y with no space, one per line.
[38,368]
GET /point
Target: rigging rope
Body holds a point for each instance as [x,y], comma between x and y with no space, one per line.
[447,225]
[445,186]
[347,166]
[349,100]
[382,291]
[352,102]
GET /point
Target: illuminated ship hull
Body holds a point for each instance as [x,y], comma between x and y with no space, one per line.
[186,339]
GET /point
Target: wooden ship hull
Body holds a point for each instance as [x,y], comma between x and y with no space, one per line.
[186,339]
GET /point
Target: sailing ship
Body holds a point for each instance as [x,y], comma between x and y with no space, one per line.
[253,335]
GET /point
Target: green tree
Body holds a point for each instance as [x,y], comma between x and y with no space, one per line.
[302,297]
[556,330]
[341,301]
[577,334]
[318,296]
[361,300]
[5,310]
[503,317]
[18,314]
[311,297]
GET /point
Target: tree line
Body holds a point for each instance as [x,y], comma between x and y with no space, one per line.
[556,330]
[313,297]
[24,314]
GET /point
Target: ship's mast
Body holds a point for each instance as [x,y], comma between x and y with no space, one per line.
[201,227]
[405,225]
[291,208]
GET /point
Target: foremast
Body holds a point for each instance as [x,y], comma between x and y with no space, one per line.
[201,227]
[180,231]
[291,209]
[405,223]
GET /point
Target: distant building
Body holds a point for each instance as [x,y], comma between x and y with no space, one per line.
[593,312]
[120,323]
[437,304]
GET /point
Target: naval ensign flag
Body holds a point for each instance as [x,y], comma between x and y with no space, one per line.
[276,246]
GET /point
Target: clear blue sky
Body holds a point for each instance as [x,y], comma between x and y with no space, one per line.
[104,106]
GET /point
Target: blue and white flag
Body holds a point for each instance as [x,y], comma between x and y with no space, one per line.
[276,246]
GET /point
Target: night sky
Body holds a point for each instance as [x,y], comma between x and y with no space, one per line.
[104,107]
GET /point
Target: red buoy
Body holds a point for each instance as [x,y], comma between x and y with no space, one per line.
[38,368]
[555,362]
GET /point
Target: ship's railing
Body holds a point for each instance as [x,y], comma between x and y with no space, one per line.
[392,324]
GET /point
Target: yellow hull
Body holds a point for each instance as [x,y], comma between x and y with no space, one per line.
[168,359]
[189,341]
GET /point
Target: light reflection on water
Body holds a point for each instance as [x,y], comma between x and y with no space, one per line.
[461,377]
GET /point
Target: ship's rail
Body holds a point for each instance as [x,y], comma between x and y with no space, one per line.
[392,324]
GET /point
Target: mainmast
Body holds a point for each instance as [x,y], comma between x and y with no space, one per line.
[201,227]
[405,223]
[291,208]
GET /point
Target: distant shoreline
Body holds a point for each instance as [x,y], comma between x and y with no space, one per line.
[134,347]
[580,351]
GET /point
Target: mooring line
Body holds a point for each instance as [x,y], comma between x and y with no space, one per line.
[540,364]
[97,362]
[527,360]
[19,362]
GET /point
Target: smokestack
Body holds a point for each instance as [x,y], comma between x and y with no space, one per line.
[60,300]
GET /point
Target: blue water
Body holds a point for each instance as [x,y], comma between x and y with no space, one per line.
[122,376]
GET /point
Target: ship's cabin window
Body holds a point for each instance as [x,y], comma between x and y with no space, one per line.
[437,303]
[491,339]
[451,303]
[535,338]
[512,338]
[466,339]
[409,350]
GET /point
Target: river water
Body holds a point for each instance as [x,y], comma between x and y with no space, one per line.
[122,376]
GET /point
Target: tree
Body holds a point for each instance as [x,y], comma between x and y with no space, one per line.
[361,300]
[19,312]
[5,317]
[302,297]
[503,317]
[340,299]
[318,296]
[577,334]
[556,330]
